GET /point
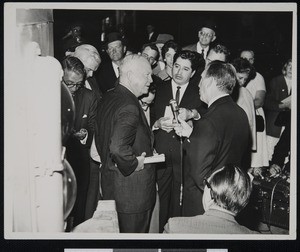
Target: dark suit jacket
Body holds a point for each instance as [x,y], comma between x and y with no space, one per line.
[276,93]
[220,137]
[122,134]
[152,39]
[106,77]
[95,87]
[192,47]
[78,154]
[85,112]
[168,142]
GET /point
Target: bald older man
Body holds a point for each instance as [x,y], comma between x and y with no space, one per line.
[91,60]
[123,139]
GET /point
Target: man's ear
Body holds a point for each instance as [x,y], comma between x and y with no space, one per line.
[124,49]
[129,75]
[214,38]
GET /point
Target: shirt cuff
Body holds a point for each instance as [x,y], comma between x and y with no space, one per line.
[83,141]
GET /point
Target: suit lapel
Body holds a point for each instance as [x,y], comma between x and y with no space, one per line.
[144,119]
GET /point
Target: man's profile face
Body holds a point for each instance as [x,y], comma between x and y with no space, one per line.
[206,36]
[204,86]
[141,78]
[90,67]
[115,50]
[212,55]
[150,55]
[182,71]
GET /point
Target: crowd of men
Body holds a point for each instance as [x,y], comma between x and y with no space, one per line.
[215,138]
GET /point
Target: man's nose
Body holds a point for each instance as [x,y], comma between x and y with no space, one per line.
[179,70]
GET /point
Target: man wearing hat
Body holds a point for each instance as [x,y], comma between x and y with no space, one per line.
[108,72]
[206,34]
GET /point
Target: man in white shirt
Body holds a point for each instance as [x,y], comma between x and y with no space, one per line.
[187,95]
[108,72]
[206,35]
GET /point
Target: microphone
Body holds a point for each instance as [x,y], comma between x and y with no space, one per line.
[175,110]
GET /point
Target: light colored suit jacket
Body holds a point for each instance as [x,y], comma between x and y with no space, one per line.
[211,222]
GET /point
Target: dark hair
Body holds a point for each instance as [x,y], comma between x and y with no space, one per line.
[153,47]
[152,87]
[169,44]
[193,57]
[242,65]
[218,48]
[73,64]
[224,74]
[285,66]
[231,188]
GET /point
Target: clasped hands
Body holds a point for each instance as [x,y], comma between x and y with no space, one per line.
[81,134]
[182,128]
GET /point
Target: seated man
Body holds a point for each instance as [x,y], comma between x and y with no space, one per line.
[226,193]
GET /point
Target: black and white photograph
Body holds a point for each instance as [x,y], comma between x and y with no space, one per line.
[150,121]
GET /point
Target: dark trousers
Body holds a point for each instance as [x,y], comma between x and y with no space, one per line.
[79,158]
[164,182]
[168,181]
[93,194]
[135,223]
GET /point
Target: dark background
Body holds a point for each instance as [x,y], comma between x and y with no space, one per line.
[269,34]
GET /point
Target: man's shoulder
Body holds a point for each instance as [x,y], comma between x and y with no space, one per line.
[104,66]
[191,47]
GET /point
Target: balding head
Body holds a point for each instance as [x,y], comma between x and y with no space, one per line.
[248,55]
[135,74]
[89,56]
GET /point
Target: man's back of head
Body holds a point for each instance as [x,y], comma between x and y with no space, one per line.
[217,52]
[89,56]
[135,74]
[230,189]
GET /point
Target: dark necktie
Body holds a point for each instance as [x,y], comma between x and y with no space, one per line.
[177,96]
[202,53]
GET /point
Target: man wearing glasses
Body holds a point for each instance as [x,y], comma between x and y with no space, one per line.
[79,143]
[206,35]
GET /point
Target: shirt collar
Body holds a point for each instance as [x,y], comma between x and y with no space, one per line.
[116,69]
[216,98]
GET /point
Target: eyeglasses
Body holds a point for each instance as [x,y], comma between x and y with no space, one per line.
[203,34]
[71,85]
[206,183]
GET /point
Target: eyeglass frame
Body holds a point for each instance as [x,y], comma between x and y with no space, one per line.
[74,84]
[206,183]
[205,34]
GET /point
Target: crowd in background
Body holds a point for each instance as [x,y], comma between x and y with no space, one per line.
[228,129]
